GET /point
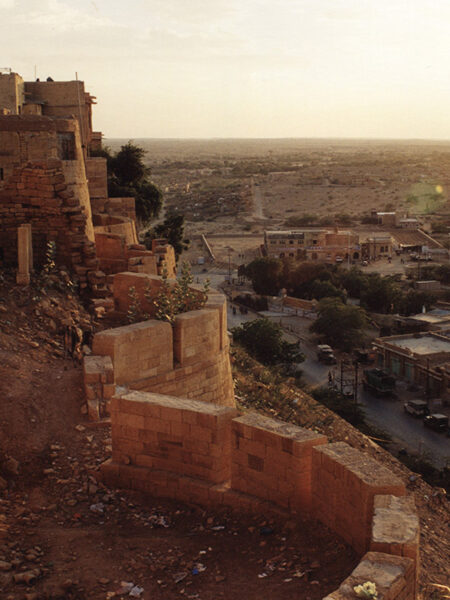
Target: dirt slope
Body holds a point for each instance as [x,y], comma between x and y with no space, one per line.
[75,539]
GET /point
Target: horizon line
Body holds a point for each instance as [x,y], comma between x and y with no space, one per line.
[333,138]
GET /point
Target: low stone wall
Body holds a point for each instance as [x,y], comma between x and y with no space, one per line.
[137,351]
[189,360]
[393,576]
[343,491]
[99,386]
[272,460]
[197,452]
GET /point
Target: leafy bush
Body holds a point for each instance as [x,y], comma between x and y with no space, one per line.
[263,339]
[171,300]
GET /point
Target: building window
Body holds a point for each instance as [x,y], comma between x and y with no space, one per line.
[1,174]
[291,241]
[291,254]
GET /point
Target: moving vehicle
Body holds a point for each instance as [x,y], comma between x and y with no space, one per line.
[378,382]
[416,408]
[325,354]
[436,421]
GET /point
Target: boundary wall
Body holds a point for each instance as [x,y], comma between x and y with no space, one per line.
[189,359]
[207,454]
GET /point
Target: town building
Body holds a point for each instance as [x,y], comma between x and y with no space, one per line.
[375,245]
[324,245]
[420,358]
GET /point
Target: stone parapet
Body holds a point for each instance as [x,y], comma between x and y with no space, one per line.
[395,527]
[137,351]
[344,485]
[272,460]
[163,433]
[392,575]
[99,386]
[188,360]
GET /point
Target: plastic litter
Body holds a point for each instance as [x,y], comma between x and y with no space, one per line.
[97,508]
[136,591]
[198,568]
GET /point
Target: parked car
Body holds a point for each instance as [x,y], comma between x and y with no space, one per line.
[416,408]
[437,421]
[325,354]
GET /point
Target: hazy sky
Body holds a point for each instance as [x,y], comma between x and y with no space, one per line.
[243,68]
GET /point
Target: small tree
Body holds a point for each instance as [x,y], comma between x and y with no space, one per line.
[263,339]
[341,325]
[171,229]
[172,300]
[265,275]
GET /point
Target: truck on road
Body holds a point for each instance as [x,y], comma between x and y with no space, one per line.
[378,382]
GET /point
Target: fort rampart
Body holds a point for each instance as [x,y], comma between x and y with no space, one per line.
[188,359]
[205,453]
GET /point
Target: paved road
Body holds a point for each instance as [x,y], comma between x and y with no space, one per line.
[386,414]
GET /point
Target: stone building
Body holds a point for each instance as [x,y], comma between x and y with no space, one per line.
[49,180]
[323,245]
[420,358]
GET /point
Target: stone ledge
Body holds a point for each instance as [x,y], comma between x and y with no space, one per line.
[392,575]
[367,469]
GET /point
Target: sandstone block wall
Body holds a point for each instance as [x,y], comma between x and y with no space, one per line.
[395,527]
[185,437]
[97,177]
[209,380]
[99,386]
[344,486]
[192,361]
[393,576]
[272,460]
[196,336]
[141,282]
[137,351]
[170,447]
[37,193]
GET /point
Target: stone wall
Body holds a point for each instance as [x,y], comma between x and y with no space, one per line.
[170,447]
[138,351]
[272,460]
[96,173]
[38,194]
[344,488]
[189,360]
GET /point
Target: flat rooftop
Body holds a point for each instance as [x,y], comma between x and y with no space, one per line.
[436,316]
[426,344]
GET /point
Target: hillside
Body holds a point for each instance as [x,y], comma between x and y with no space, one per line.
[63,535]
